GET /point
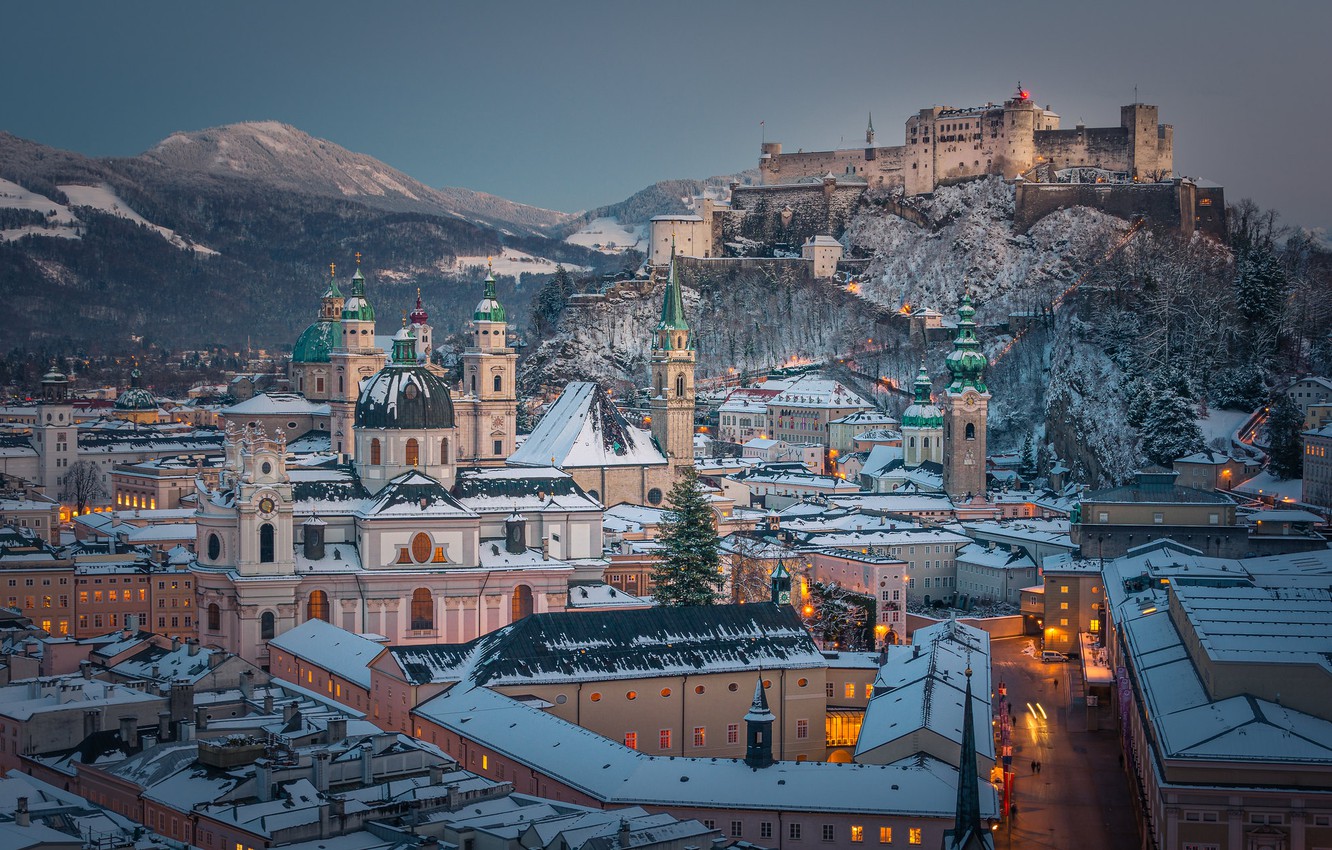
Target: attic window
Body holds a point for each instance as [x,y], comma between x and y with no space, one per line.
[631,695]
[596,697]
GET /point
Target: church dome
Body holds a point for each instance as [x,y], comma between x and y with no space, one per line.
[404,395]
[489,309]
[316,343]
[923,413]
[136,397]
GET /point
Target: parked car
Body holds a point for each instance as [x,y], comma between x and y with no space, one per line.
[1050,656]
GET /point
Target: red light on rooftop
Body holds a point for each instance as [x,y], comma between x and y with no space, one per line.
[1024,95]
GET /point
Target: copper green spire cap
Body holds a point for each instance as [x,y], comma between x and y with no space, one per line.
[489,309]
[672,311]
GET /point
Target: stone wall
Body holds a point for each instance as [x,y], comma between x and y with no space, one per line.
[1180,204]
[1102,147]
[791,213]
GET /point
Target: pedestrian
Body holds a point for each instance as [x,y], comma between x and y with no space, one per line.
[1012,811]
[1033,765]
[1039,766]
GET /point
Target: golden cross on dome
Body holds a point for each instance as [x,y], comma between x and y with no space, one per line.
[358,258]
[404,318]
[332,269]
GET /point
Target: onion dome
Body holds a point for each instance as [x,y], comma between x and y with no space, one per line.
[488,309]
[357,308]
[965,362]
[404,395]
[419,315]
[923,413]
[54,375]
[136,397]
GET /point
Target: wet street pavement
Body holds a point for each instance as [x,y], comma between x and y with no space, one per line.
[1081,796]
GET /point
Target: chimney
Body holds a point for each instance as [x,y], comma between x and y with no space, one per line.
[325,821]
[515,534]
[268,701]
[452,799]
[163,726]
[436,774]
[184,731]
[129,732]
[91,722]
[21,817]
[622,837]
[247,684]
[200,717]
[193,646]
[85,667]
[175,643]
[288,711]
[181,700]
[367,764]
[127,633]
[263,779]
[337,729]
[319,771]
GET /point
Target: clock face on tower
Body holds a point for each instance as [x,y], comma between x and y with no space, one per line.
[266,506]
[784,597]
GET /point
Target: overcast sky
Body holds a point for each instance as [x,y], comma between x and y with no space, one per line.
[574,104]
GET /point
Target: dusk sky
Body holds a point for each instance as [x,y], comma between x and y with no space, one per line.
[573,105]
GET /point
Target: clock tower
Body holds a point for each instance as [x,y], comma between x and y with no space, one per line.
[965,408]
[673,357]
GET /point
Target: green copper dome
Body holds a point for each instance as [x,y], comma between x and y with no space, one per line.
[317,342]
[136,397]
[403,394]
[357,308]
[923,413]
[488,309]
[965,362]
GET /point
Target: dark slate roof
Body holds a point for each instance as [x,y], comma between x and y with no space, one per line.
[414,493]
[481,482]
[346,489]
[601,645]
[1157,493]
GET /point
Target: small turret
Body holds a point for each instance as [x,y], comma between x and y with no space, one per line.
[758,724]
[781,584]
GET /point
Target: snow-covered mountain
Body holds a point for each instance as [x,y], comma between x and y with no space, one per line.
[280,155]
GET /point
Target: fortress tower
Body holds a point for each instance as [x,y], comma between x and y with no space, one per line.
[966,402]
[673,358]
[358,357]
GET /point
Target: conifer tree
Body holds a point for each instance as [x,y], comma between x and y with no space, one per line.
[1169,428]
[1027,465]
[1285,423]
[688,573]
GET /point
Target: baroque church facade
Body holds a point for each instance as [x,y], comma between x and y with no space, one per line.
[421,527]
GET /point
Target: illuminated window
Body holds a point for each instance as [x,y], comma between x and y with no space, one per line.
[1095,625]
[857,834]
[375,451]
[1063,606]
[1063,621]
[631,740]
[596,697]
[869,690]
[885,835]
[423,607]
[413,452]
[913,835]
[1063,588]
[316,607]
[700,736]
[664,739]
[485,762]
[850,690]
[631,695]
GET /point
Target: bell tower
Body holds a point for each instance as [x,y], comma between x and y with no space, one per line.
[490,388]
[966,403]
[673,358]
[357,358]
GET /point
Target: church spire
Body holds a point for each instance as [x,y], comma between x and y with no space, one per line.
[966,362]
[922,385]
[869,130]
[759,719]
[967,832]
[673,320]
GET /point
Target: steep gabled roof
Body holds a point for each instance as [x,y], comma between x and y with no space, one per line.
[584,428]
[413,494]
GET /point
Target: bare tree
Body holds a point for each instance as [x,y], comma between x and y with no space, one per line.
[82,485]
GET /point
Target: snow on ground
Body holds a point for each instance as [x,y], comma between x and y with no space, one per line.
[1221,424]
[1265,484]
[61,221]
[104,199]
[510,262]
[609,236]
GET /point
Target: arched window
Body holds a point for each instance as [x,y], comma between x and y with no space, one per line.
[266,543]
[214,547]
[911,442]
[316,608]
[679,386]
[924,442]
[214,618]
[444,450]
[971,431]
[499,383]
[267,625]
[423,610]
[375,450]
[413,452]
[521,604]
[473,384]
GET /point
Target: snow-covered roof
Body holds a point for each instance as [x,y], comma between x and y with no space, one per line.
[265,404]
[612,773]
[325,645]
[523,490]
[818,392]
[584,428]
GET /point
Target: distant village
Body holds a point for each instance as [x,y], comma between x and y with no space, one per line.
[346,605]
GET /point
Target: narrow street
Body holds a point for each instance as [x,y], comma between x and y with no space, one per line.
[1081,796]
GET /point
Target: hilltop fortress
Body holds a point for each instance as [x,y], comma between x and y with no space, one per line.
[1012,140]
[806,197]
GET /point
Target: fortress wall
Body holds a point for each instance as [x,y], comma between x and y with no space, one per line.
[1103,147]
[879,166]
[1180,205]
[790,214]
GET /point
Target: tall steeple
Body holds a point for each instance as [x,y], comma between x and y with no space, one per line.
[922,426]
[673,358]
[869,131]
[758,725]
[355,358]
[966,405]
[488,407]
[968,833]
